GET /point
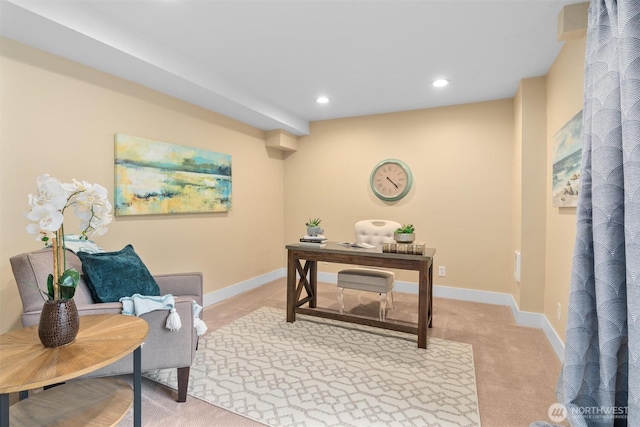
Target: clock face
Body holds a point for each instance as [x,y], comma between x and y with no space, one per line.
[391,180]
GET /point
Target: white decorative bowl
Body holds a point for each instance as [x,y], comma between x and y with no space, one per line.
[404,237]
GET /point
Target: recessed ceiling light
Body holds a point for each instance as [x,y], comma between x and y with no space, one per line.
[322,100]
[440,83]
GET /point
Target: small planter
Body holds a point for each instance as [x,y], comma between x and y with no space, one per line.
[404,237]
[59,323]
[314,230]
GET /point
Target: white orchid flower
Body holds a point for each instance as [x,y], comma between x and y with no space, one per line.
[93,195]
[49,192]
[48,220]
[99,227]
[81,185]
[48,203]
[41,235]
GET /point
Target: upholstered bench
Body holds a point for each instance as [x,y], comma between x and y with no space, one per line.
[366,279]
[373,232]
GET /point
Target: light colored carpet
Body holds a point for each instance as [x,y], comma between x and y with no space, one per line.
[319,372]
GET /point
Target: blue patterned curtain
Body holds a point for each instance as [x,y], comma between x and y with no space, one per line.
[600,378]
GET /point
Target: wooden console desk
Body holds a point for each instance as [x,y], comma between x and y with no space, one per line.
[336,253]
[25,364]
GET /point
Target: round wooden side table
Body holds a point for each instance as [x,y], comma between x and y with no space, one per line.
[25,364]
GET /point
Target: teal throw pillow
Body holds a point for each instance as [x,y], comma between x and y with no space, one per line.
[113,275]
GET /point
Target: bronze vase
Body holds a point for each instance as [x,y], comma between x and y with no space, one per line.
[59,323]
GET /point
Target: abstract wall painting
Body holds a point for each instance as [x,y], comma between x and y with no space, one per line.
[567,158]
[153,177]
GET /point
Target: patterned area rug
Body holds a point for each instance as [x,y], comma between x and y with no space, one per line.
[320,372]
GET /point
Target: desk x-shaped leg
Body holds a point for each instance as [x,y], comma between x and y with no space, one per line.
[308,281]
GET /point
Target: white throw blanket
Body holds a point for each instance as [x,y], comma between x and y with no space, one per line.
[75,243]
[137,305]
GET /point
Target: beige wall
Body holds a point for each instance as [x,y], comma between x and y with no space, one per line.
[471,198]
[516,212]
[460,203]
[59,117]
[482,185]
[531,143]
[565,88]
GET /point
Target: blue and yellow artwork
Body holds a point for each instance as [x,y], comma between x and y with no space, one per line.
[153,177]
[567,158]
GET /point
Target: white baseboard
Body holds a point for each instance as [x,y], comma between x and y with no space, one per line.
[522,318]
[238,288]
[540,321]
[554,339]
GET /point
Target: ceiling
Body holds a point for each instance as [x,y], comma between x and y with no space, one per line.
[265,62]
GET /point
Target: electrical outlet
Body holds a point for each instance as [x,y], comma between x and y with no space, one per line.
[559,311]
[442,271]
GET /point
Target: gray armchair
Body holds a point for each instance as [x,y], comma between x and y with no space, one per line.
[162,349]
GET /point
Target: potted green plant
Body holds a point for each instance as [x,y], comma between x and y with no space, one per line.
[405,234]
[313,227]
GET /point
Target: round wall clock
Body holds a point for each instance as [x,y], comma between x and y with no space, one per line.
[391,180]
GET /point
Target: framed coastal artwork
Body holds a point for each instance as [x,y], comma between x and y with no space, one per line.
[567,158]
[153,177]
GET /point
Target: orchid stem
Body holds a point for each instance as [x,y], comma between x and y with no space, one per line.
[56,266]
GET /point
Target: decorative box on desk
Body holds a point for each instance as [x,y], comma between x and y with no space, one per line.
[404,248]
